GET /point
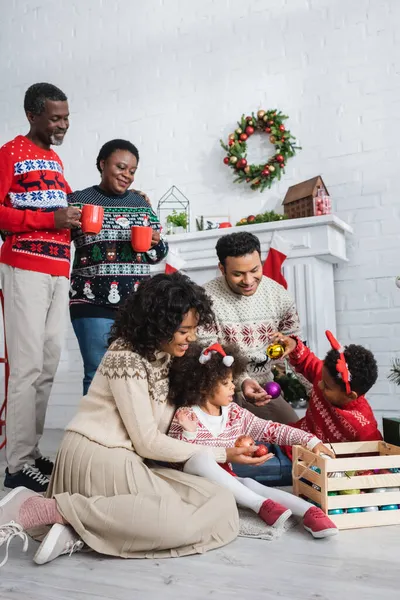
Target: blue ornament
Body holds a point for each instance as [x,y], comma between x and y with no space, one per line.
[389,507]
[336,511]
[353,510]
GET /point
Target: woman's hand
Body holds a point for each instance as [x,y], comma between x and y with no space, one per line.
[238,456]
[187,420]
[155,238]
[322,449]
[287,342]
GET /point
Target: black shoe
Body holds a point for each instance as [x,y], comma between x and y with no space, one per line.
[29,477]
[44,465]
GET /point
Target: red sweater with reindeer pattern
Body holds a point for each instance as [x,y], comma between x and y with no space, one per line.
[32,187]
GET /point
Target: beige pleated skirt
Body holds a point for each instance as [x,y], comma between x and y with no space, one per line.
[121,507]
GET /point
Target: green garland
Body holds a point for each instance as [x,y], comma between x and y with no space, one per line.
[260,176]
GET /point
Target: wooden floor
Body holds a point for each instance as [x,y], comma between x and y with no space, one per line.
[356,565]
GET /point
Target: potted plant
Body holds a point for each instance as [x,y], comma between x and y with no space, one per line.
[177,222]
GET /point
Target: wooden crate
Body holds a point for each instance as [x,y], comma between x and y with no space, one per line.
[351,456]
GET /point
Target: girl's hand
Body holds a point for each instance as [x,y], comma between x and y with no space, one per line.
[322,449]
[238,456]
[287,342]
[187,420]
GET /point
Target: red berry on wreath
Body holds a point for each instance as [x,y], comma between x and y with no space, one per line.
[270,122]
[231,142]
[226,160]
[280,158]
[243,137]
[281,165]
[268,130]
[265,172]
[281,128]
[247,179]
[249,130]
[283,139]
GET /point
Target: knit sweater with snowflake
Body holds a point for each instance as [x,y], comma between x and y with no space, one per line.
[223,431]
[354,422]
[105,267]
[251,321]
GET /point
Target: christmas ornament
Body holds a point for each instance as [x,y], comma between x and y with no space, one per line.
[389,507]
[273,389]
[369,509]
[226,160]
[353,510]
[260,176]
[336,511]
[243,441]
[275,351]
[261,451]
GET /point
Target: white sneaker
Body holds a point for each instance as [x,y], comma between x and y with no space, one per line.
[9,510]
[60,540]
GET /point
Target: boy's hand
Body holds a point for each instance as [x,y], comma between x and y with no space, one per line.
[287,342]
[187,420]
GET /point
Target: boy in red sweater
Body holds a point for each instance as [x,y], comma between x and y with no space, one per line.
[337,409]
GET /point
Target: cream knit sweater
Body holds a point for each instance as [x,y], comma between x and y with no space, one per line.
[127,407]
[250,322]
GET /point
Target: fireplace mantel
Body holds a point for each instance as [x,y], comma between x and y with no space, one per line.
[319,245]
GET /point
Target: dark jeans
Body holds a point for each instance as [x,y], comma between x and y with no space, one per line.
[92,335]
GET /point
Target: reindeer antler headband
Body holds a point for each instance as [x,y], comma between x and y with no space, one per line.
[205,356]
[342,367]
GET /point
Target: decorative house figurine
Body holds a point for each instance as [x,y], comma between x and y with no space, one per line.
[307,199]
[173,210]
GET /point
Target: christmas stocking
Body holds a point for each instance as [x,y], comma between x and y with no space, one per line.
[278,252]
[173,263]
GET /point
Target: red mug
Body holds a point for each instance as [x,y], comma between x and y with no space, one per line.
[224,225]
[141,238]
[92,219]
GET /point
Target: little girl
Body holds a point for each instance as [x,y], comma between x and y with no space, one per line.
[201,384]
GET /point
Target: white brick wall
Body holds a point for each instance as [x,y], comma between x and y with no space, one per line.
[174,76]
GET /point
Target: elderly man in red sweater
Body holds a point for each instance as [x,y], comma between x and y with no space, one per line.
[35,258]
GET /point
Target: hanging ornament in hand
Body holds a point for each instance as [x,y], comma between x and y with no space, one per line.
[260,176]
[273,389]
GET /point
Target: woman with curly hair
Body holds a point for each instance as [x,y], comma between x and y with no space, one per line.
[106,490]
[202,383]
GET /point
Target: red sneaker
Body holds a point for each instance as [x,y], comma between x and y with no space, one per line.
[318,524]
[274,514]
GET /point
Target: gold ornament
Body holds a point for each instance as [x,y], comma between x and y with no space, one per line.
[232,136]
[265,118]
[247,169]
[272,139]
[233,160]
[260,114]
[239,131]
[275,351]
[271,168]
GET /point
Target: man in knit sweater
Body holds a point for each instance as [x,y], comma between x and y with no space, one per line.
[35,221]
[249,309]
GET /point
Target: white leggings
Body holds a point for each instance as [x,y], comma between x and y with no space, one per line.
[248,492]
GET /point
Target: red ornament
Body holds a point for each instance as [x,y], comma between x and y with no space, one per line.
[281,165]
[226,160]
[270,122]
[244,162]
[247,179]
[241,163]
[261,451]
[265,172]
[283,139]
[231,142]
[280,158]
[268,130]
[243,137]
[281,128]
[249,130]
[249,118]
[243,441]
[251,219]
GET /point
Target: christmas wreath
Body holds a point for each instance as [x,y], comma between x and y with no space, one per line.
[260,176]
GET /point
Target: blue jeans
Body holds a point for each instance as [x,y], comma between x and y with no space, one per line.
[92,335]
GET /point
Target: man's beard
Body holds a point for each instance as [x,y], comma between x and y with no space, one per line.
[55,141]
